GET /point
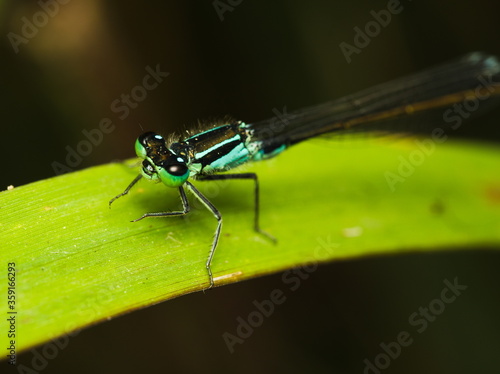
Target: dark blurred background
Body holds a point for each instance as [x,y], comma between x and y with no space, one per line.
[63,68]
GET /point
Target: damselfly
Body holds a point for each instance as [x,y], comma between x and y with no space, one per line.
[435,96]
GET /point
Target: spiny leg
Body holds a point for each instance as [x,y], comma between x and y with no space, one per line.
[185,205]
[218,216]
[186,209]
[136,179]
[256,194]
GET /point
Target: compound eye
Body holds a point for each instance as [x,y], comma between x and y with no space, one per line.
[173,174]
[147,142]
[149,138]
[177,170]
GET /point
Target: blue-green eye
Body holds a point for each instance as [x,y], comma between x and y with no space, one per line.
[147,142]
[173,175]
[140,150]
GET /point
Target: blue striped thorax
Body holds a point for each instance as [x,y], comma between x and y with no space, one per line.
[218,149]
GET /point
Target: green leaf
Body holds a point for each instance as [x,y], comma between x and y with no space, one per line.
[77,262]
